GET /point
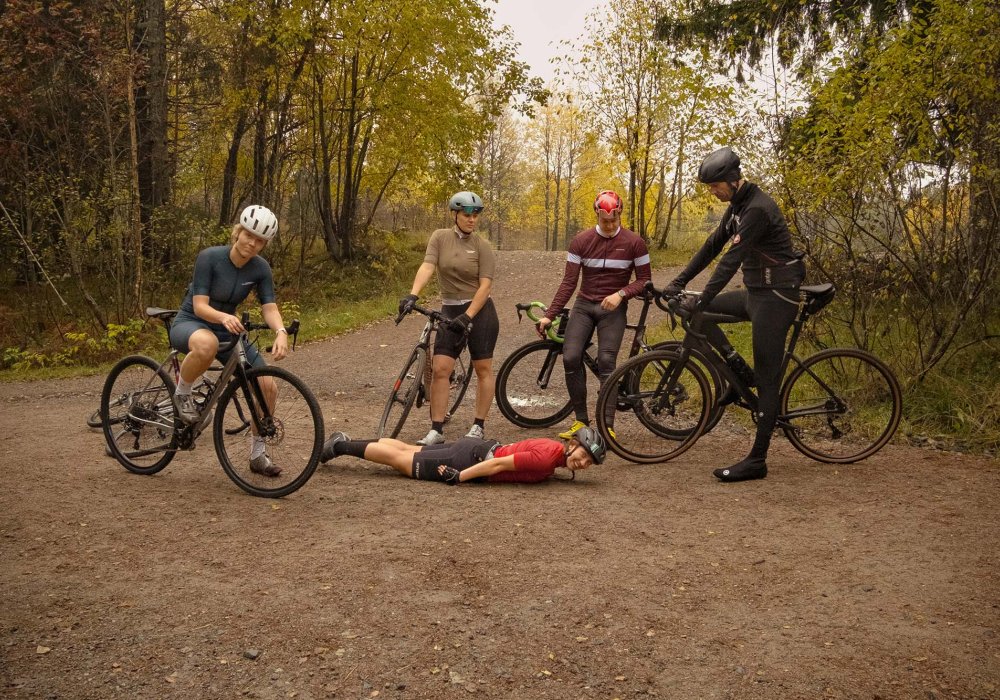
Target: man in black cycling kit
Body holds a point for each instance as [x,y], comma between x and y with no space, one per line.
[760,242]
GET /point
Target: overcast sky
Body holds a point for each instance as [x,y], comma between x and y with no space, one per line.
[539,25]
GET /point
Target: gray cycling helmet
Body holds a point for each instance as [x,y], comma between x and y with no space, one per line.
[720,166]
[469,202]
[591,441]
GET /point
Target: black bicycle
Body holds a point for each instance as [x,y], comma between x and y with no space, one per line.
[531,385]
[838,405]
[413,385]
[143,431]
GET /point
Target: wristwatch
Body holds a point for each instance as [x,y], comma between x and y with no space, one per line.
[621,293]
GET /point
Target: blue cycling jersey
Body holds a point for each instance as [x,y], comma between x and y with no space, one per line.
[226,285]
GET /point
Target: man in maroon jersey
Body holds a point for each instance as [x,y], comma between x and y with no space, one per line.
[607,254]
[471,459]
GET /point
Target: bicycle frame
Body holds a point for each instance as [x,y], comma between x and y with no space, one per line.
[695,340]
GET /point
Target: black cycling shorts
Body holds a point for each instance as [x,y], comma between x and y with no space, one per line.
[461,454]
[482,339]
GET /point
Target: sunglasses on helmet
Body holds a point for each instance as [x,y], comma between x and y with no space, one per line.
[469,210]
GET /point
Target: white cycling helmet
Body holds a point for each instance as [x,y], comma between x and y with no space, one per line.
[260,221]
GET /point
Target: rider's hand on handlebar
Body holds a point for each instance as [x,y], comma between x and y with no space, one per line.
[691,303]
[407,303]
[673,289]
[543,325]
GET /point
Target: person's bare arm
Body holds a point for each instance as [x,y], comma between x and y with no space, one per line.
[488,468]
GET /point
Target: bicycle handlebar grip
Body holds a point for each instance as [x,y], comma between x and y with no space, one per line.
[529,309]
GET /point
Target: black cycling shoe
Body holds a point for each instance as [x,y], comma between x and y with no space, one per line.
[329,446]
[749,468]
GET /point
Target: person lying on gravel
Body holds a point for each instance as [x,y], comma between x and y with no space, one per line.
[471,459]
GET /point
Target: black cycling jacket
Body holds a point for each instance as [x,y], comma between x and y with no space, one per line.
[761,243]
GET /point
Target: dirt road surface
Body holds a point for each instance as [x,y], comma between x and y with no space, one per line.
[877,580]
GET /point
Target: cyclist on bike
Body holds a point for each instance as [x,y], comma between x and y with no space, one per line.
[223,277]
[607,254]
[465,266]
[760,242]
[472,459]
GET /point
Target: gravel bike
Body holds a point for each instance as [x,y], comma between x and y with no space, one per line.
[531,385]
[200,390]
[413,385]
[143,431]
[839,405]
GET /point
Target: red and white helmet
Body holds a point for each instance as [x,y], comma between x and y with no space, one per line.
[608,202]
[260,221]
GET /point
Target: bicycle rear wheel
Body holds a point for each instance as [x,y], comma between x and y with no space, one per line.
[293,433]
[137,415]
[840,406]
[404,392]
[531,386]
[663,410]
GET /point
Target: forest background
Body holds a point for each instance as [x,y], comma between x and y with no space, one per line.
[132,132]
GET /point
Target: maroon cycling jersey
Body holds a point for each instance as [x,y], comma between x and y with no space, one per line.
[607,265]
[535,460]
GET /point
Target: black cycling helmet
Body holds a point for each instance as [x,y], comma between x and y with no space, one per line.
[469,202]
[591,441]
[720,166]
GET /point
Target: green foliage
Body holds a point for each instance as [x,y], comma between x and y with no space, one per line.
[79,349]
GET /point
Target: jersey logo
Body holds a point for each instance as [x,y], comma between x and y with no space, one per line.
[247,283]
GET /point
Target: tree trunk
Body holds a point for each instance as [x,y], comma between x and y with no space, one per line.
[150,48]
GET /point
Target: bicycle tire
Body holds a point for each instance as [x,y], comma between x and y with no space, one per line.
[404,392]
[137,415]
[520,398]
[94,419]
[719,384]
[854,422]
[654,421]
[461,376]
[294,442]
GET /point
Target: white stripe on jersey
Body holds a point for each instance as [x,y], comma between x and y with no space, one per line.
[644,260]
[573,258]
[604,262]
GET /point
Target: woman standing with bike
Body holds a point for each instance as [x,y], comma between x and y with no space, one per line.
[760,242]
[465,266]
[223,278]
[607,254]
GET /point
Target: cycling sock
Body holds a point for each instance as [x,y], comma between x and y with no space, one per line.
[438,425]
[183,387]
[480,422]
[256,446]
[352,448]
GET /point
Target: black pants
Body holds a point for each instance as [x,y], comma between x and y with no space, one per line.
[610,325]
[771,313]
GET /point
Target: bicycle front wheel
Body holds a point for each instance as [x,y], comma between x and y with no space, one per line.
[293,432]
[717,381]
[531,386]
[840,406]
[458,385]
[137,415]
[404,392]
[661,402]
